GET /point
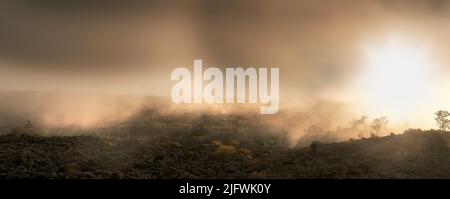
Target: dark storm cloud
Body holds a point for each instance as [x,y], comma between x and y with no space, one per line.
[59,32]
[315,43]
[102,33]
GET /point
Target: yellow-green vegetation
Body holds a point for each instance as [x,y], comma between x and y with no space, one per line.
[224,150]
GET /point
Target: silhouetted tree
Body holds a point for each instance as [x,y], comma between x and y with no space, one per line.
[441,120]
[379,123]
[29,124]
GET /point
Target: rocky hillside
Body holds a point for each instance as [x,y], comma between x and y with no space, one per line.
[414,154]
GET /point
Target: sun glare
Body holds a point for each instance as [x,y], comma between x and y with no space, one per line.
[397,78]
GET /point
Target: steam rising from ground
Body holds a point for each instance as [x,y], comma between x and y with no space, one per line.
[56,110]
[89,112]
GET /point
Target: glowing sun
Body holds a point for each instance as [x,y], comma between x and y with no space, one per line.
[397,77]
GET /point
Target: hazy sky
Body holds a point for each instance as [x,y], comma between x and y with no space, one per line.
[319,46]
